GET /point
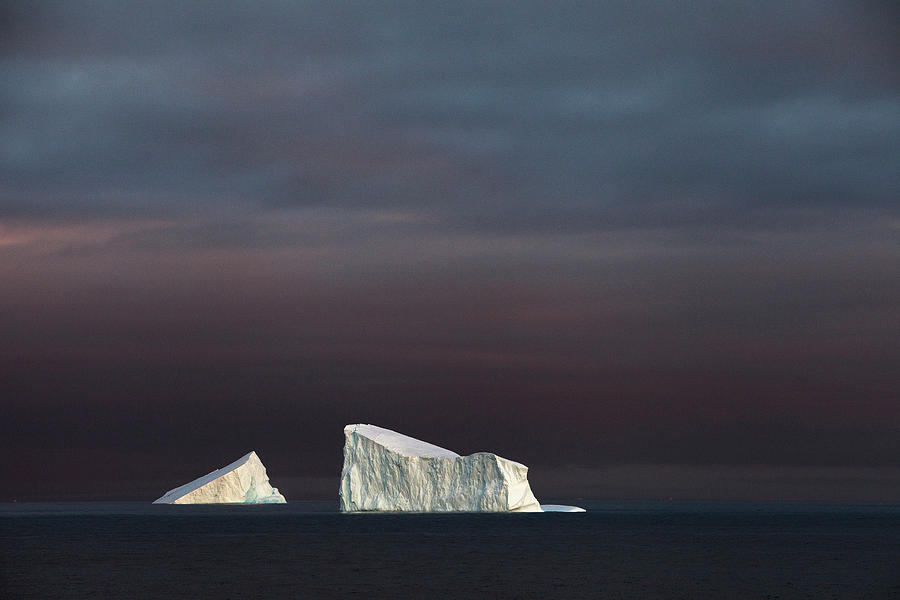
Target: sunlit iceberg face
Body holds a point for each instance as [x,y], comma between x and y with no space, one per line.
[242,482]
[388,471]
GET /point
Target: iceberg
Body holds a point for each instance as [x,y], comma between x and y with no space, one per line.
[561,508]
[388,471]
[242,482]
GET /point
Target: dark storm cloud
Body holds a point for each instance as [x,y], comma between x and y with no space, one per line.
[511,116]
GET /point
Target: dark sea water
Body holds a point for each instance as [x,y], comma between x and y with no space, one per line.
[309,550]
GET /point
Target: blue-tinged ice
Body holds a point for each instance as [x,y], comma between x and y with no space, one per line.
[561,508]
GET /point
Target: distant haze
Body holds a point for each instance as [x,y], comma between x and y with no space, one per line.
[648,249]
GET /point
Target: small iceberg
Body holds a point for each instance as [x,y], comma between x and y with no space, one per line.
[561,508]
[242,482]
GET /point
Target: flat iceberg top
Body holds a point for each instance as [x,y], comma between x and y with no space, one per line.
[399,443]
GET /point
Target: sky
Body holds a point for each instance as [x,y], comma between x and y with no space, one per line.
[649,249]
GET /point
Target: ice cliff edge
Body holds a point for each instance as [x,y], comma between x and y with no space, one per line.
[242,482]
[388,471]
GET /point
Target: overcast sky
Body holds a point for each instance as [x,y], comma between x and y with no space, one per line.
[612,240]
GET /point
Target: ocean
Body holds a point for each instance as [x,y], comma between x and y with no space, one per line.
[693,550]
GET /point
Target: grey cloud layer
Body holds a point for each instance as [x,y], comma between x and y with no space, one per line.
[509,116]
[641,231]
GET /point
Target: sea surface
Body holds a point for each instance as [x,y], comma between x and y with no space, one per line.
[309,550]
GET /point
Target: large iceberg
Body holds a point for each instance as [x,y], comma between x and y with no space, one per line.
[242,482]
[388,471]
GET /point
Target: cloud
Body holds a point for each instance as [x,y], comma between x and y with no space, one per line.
[674,224]
[494,117]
